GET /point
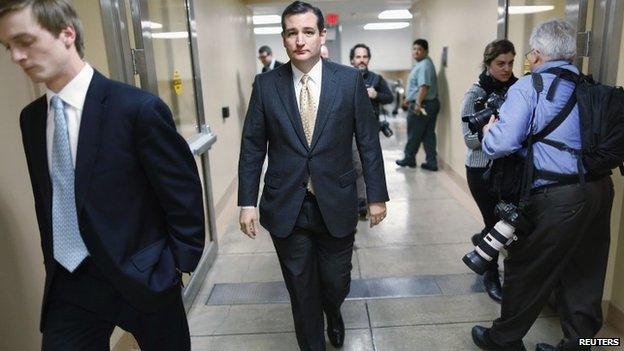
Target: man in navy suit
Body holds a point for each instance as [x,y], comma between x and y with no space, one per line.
[305,113]
[117,194]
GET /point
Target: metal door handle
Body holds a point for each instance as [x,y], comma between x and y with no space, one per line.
[203,141]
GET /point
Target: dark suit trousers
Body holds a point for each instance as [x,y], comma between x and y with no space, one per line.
[317,270]
[421,128]
[567,252]
[83,308]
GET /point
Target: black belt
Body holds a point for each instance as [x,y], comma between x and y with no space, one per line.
[574,179]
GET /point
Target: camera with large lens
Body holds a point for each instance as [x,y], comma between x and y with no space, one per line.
[485,108]
[503,234]
[384,127]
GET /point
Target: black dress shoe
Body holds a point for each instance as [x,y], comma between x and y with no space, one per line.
[481,338]
[545,347]
[492,284]
[406,163]
[335,329]
[429,167]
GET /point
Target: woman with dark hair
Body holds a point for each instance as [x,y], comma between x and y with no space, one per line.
[496,77]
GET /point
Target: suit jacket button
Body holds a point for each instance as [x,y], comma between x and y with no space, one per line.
[309,157]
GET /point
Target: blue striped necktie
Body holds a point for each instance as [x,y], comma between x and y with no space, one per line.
[69,249]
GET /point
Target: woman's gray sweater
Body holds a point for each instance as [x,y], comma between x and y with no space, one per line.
[475,158]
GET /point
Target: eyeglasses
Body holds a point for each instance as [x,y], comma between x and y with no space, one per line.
[526,56]
[262,57]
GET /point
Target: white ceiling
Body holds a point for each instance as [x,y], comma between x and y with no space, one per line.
[350,11]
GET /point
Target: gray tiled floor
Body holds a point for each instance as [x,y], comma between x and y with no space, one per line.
[427,231]
[361,289]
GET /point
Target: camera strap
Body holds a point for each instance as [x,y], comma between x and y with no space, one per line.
[529,167]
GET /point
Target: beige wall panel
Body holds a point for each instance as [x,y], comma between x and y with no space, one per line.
[467,27]
[95,49]
[227,58]
[21,260]
[616,274]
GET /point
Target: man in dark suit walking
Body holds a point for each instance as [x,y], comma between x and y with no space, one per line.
[265,55]
[306,113]
[117,194]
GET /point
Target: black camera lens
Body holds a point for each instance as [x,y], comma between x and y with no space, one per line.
[475,262]
[478,120]
[500,236]
[484,110]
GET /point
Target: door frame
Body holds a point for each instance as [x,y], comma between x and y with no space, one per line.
[606,23]
[604,45]
[125,63]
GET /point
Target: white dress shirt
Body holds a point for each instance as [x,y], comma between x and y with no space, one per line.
[73,96]
[316,76]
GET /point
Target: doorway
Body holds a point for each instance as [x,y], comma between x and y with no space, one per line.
[596,22]
[152,45]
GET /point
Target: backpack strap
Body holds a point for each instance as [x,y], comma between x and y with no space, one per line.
[559,118]
[564,74]
[565,111]
[560,73]
[538,84]
[564,178]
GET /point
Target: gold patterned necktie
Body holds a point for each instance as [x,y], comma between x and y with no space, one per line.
[307,108]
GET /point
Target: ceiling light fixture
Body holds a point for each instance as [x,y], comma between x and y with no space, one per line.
[266,19]
[395,14]
[170,35]
[267,30]
[385,25]
[154,25]
[528,9]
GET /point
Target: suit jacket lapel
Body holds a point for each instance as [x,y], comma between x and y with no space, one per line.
[89,135]
[286,92]
[40,154]
[326,101]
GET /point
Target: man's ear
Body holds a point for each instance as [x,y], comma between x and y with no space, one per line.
[537,57]
[323,35]
[68,35]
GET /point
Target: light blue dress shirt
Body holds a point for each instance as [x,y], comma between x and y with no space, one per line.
[422,74]
[507,135]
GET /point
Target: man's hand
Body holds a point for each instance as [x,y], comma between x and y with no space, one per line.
[376,213]
[404,104]
[490,123]
[248,220]
[417,109]
[372,93]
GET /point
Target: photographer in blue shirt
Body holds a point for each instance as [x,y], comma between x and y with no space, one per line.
[567,249]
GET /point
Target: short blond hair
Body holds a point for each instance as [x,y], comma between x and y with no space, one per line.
[52,15]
